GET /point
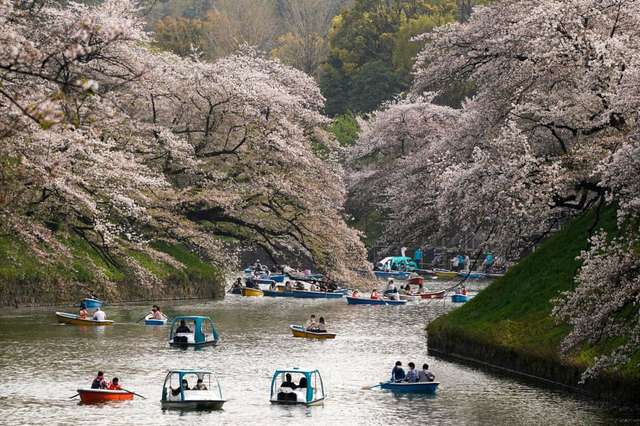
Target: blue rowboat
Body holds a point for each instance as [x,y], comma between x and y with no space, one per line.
[277,293]
[279,278]
[91,303]
[473,275]
[398,275]
[368,301]
[150,321]
[305,294]
[459,298]
[404,387]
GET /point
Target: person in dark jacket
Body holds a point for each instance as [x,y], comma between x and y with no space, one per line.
[397,374]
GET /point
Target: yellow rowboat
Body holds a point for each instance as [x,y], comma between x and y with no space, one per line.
[299,331]
[446,274]
[251,292]
[73,319]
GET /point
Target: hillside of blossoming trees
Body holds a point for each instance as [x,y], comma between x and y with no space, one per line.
[135,154]
[551,132]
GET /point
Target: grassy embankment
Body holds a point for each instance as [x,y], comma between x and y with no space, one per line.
[509,324]
[127,274]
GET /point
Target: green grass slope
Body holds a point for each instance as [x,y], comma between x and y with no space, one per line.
[510,320]
[127,274]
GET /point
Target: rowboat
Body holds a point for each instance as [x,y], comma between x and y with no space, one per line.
[409,297]
[300,331]
[252,292]
[302,277]
[445,274]
[90,303]
[404,387]
[97,396]
[306,294]
[149,320]
[416,280]
[311,394]
[433,294]
[459,298]
[277,293]
[175,397]
[472,275]
[369,301]
[74,319]
[398,275]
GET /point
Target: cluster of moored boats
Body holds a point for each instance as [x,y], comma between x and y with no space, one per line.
[260,282]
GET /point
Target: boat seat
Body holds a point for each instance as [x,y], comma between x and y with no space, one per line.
[184,338]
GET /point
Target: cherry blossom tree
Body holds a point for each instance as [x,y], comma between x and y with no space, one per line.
[549,133]
[123,142]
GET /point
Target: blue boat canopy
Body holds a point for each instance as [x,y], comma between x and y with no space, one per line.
[314,385]
[193,330]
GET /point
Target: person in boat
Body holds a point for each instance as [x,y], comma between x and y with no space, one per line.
[406,289]
[99,382]
[114,385]
[237,284]
[99,315]
[392,291]
[301,390]
[156,314]
[287,286]
[462,290]
[355,293]
[286,392]
[176,392]
[311,325]
[397,374]
[200,385]
[375,294]
[455,263]
[84,313]
[412,374]
[322,326]
[288,383]
[425,375]
[299,285]
[182,328]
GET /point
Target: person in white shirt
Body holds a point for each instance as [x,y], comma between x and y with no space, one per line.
[99,315]
[425,375]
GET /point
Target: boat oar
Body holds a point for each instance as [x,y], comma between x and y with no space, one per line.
[136,394]
[371,387]
[71,397]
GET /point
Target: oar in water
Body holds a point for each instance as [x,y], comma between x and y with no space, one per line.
[371,387]
[136,394]
[145,315]
[71,397]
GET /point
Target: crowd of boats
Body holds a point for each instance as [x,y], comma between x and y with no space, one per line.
[200,389]
[260,281]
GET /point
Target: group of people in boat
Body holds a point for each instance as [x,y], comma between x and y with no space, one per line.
[98,315]
[199,386]
[289,391]
[412,375]
[391,291]
[100,383]
[316,326]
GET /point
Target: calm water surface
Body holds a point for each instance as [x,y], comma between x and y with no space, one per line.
[43,363]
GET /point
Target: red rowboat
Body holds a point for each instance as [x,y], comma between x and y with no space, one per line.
[96,396]
[433,295]
[416,281]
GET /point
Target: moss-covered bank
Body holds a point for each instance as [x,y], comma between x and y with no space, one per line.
[508,325]
[32,274]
